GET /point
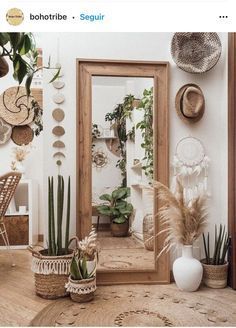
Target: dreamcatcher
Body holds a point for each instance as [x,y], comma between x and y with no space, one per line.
[191,166]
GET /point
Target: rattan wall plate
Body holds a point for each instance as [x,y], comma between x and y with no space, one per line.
[58,98]
[22,135]
[196,52]
[15,107]
[58,84]
[58,144]
[58,114]
[5,132]
[58,131]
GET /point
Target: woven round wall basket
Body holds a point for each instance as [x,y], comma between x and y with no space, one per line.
[215,276]
[50,273]
[196,52]
[22,135]
[81,291]
[148,232]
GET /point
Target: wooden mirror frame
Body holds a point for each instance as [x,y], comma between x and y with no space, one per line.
[232,157]
[86,69]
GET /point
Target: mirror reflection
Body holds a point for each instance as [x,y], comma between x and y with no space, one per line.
[122,169]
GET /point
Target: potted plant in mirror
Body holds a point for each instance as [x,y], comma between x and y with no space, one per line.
[118,209]
[51,265]
[183,223]
[82,279]
[215,268]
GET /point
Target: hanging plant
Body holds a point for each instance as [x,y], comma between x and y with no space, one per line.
[118,119]
[20,49]
[146,126]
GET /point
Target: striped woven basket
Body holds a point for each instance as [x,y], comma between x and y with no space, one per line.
[51,273]
[215,276]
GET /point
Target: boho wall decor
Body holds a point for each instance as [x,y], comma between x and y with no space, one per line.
[5,131]
[58,131]
[196,52]
[15,107]
[22,135]
[58,144]
[190,103]
[58,114]
[58,84]
[191,166]
[59,98]
[99,159]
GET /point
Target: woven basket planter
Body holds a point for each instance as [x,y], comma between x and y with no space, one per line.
[81,291]
[215,276]
[148,232]
[51,273]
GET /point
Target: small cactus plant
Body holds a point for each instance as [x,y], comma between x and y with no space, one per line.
[55,244]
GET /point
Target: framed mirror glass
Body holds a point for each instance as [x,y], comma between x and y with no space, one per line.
[122,145]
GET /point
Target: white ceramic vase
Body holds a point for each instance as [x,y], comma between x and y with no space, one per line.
[187,270]
[21,168]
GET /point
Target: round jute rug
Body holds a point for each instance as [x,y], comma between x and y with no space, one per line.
[143,306]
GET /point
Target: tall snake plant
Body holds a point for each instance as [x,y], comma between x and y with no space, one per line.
[55,243]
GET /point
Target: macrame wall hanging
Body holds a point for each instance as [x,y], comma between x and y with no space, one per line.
[191,165]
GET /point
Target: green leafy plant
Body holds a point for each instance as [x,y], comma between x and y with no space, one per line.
[116,206]
[86,251]
[146,126]
[118,121]
[55,242]
[20,49]
[96,133]
[78,269]
[221,246]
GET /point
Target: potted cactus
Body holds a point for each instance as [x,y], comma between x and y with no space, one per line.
[118,209]
[215,267]
[51,265]
[82,279]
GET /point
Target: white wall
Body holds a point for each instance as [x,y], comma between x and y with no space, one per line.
[34,160]
[212,129]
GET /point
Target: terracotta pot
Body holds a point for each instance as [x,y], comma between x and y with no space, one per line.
[120,229]
[215,276]
[4,68]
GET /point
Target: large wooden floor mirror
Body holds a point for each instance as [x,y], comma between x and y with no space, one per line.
[122,145]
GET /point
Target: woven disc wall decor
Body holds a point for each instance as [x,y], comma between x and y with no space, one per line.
[58,98]
[22,135]
[58,84]
[58,144]
[59,154]
[196,52]
[5,132]
[58,131]
[58,114]
[15,107]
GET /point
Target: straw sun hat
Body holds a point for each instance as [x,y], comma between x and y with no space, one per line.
[190,103]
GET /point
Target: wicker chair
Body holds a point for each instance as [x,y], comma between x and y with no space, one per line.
[8,184]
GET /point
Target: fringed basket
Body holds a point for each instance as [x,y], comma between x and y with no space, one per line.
[148,232]
[51,273]
[81,291]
